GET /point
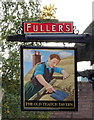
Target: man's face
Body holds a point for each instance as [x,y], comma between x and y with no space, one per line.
[53,62]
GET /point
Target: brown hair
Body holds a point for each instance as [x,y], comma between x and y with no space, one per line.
[55,56]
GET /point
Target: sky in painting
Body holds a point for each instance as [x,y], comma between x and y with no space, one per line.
[45,53]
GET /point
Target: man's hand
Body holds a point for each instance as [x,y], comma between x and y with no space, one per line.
[49,88]
[65,74]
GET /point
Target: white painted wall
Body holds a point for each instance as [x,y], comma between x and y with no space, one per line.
[93,66]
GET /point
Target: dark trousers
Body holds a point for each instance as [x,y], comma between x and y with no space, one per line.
[29,90]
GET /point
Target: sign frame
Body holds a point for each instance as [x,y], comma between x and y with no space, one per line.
[35,105]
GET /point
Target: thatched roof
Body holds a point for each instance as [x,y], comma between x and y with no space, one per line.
[85,52]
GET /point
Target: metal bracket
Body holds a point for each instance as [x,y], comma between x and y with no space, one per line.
[75,30]
[71,38]
[19,31]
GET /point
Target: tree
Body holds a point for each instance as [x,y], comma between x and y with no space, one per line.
[13,13]
[12,16]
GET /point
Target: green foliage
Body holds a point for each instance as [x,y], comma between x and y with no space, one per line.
[11,109]
[12,15]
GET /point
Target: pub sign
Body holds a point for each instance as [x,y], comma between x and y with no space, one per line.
[48,78]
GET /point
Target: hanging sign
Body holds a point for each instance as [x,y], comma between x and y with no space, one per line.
[61,27]
[48,78]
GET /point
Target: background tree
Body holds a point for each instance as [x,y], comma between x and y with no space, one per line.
[12,14]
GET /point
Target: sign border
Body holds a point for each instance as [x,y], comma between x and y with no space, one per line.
[21,77]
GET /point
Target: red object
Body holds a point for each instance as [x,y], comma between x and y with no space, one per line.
[65,27]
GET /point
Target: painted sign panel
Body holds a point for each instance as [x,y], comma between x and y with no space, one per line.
[64,27]
[48,78]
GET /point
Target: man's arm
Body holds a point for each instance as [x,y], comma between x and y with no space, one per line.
[65,74]
[61,71]
[42,81]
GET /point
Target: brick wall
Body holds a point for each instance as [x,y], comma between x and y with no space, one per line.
[85,104]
